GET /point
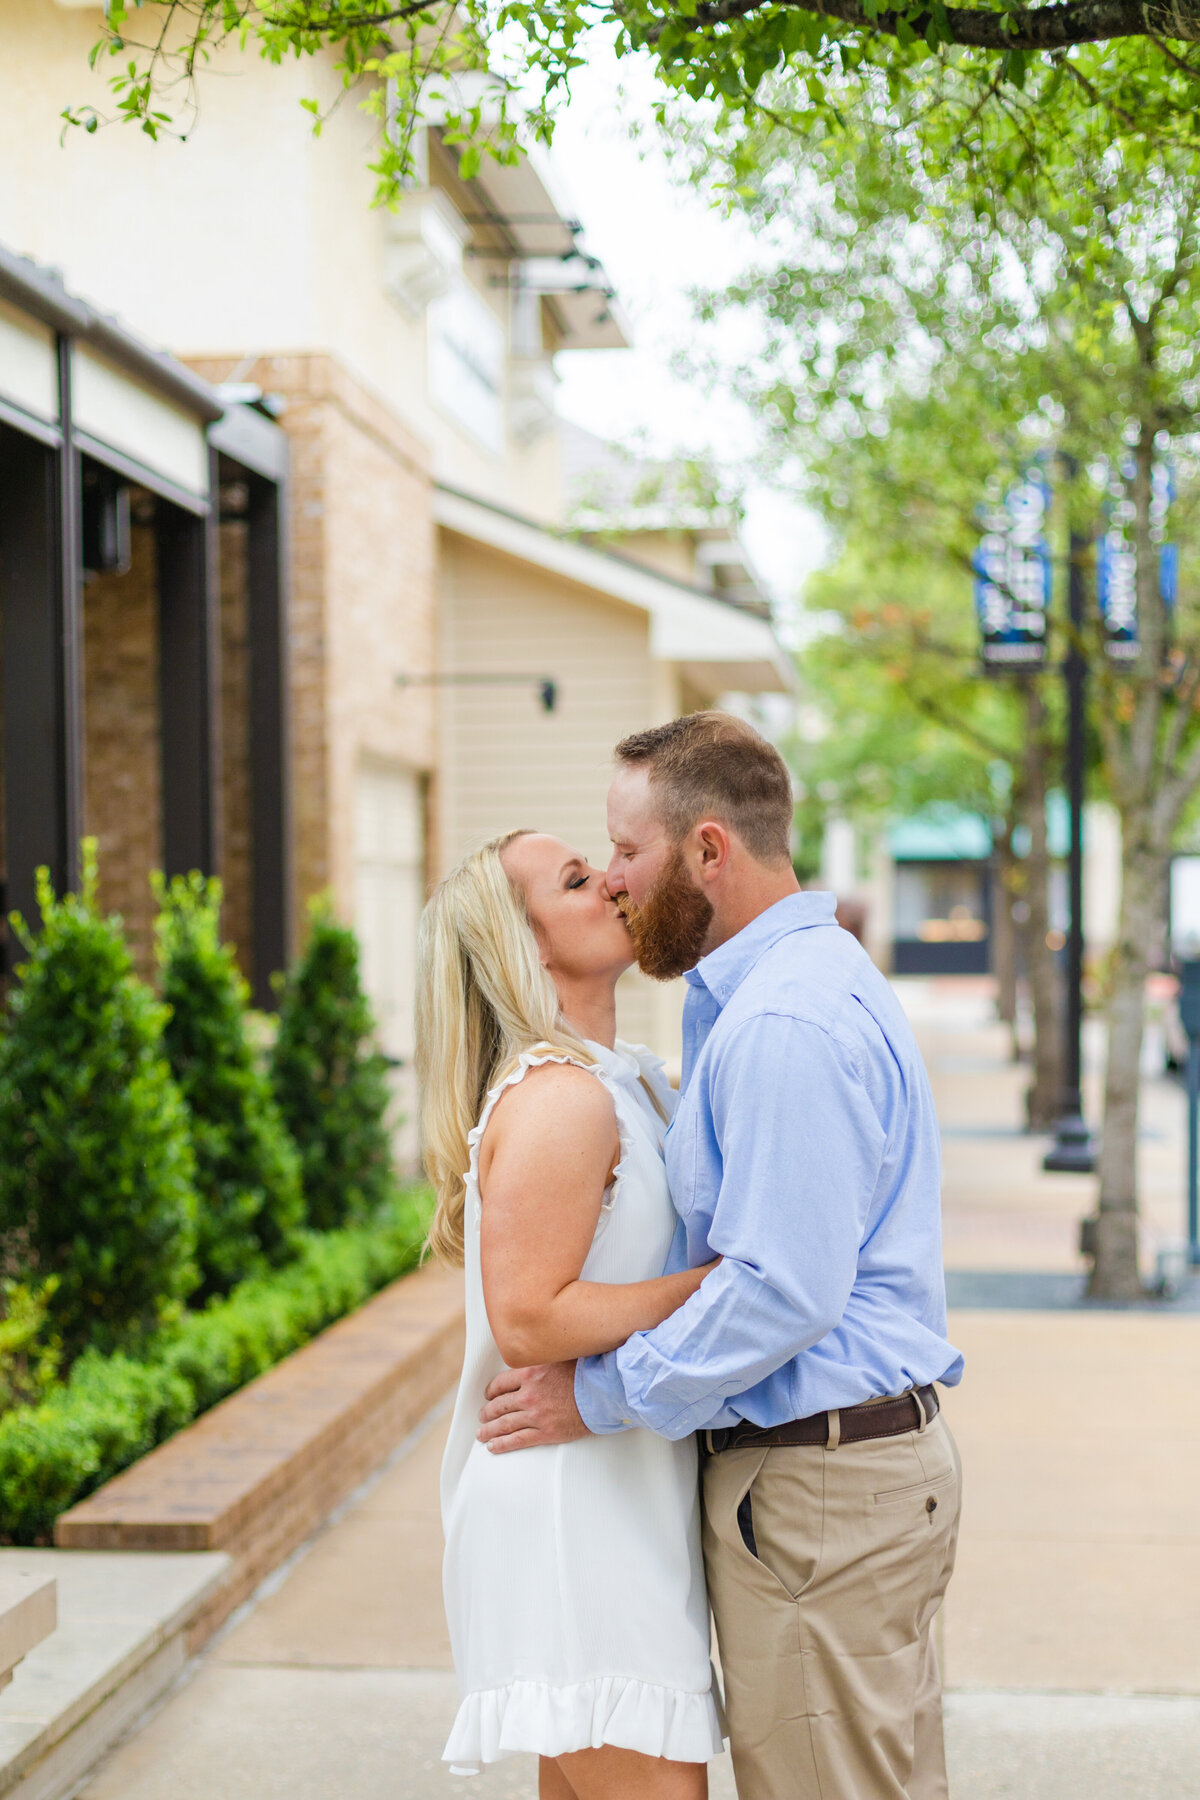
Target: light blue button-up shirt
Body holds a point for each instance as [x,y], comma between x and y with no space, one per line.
[805,1152]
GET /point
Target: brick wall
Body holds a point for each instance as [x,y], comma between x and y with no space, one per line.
[122,778]
[122,773]
[236,855]
[361,605]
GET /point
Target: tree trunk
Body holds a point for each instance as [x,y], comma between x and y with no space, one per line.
[1043,1100]
[1004,934]
[1115,1274]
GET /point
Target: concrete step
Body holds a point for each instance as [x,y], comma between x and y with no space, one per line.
[120,1642]
[28,1613]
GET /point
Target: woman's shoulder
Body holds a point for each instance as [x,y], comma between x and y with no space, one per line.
[546,1084]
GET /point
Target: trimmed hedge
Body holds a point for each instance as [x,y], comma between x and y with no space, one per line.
[250,1204]
[330,1081]
[96,1162]
[114,1409]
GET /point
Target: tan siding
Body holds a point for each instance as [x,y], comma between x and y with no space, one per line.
[505,762]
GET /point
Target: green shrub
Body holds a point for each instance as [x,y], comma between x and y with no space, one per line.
[95,1157]
[30,1351]
[330,1081]
[113,1410]
[249,1200]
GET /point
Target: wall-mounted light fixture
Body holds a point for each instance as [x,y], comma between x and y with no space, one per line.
[544,686]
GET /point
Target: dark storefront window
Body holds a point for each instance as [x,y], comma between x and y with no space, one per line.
[941,918]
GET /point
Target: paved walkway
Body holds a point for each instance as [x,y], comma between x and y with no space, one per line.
[1072,1633]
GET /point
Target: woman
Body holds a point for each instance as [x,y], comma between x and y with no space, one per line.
[574,1585]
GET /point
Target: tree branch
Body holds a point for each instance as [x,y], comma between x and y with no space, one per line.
[1054,27]
[1184,696]
[332,24]
[1175,793]
[952,721]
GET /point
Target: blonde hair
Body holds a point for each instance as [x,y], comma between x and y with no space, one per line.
[483,998]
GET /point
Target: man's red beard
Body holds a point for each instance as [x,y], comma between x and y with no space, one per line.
[669,927]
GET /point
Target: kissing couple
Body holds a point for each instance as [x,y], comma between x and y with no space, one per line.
[754,1430]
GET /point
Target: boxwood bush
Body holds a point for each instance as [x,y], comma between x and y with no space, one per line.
[113,1409]
[249,1201]
[330,1080]
[96,1164]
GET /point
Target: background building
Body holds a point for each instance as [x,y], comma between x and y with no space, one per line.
[143,690]
[926,889]
[431,583]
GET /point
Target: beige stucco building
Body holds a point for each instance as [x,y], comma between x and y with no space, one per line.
[428,586]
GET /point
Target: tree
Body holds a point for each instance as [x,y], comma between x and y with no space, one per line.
[912,724]
[96,1167]
[493,74]
[250,1203]
[1012,295]
[329,1080]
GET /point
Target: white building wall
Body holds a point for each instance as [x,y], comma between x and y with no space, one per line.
[839,859]
[251,236]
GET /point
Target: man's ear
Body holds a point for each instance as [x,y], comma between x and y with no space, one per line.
[713,845]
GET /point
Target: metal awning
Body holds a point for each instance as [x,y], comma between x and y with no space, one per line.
[86,412]
[524,202]
[134,409]
[941,834]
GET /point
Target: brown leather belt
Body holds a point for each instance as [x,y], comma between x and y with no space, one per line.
[849,1425]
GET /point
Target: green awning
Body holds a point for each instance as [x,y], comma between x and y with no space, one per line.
[941,834]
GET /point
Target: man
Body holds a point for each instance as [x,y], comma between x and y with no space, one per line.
[805,1153]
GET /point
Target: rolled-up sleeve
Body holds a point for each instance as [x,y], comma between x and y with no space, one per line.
[798,1149]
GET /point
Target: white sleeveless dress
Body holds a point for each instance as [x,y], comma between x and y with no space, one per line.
[573,1577]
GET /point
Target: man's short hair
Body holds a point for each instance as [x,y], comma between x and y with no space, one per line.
[711,765]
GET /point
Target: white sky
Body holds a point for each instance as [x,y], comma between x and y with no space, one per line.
[657,239]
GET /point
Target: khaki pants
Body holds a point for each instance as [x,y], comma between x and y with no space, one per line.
[825,1626]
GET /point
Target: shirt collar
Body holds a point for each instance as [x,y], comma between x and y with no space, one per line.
[724,969]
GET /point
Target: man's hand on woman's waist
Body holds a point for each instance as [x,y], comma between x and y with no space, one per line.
[531,1407]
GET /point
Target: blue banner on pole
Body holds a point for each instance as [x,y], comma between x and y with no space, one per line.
[1116,560]
[1014,578]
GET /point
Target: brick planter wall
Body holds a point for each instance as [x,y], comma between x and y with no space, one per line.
[256,1476]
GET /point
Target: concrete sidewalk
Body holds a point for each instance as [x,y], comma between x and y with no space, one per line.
[1072,1631]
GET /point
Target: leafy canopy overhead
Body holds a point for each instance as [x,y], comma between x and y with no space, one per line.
[486,70]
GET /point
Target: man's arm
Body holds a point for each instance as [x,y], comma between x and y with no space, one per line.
[800,1147]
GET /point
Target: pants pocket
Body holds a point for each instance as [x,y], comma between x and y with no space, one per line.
[745,1519]
[926,1496]
[780,1517]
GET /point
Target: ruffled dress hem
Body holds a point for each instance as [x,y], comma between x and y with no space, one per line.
[538,1718]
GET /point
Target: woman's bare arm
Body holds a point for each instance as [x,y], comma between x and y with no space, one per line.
[546,1158]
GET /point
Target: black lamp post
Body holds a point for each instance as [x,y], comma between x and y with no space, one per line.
[1072,1151]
